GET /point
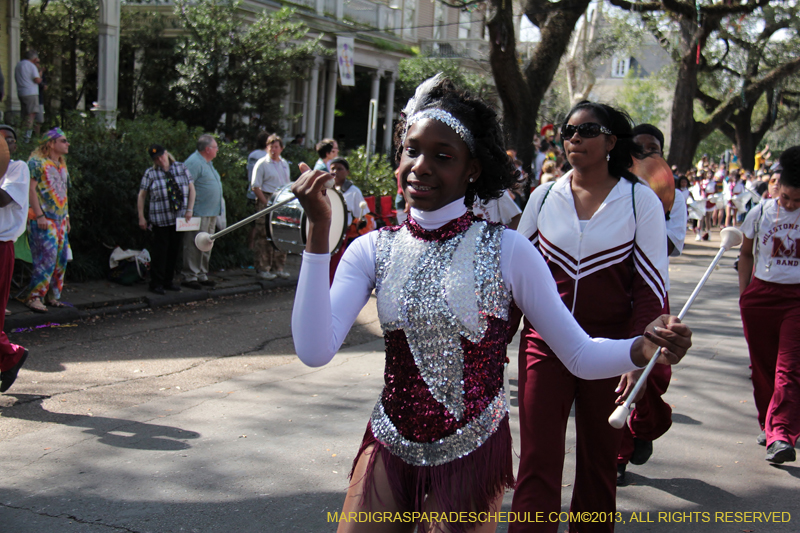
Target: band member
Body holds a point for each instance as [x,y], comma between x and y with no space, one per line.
[439,436]
[602,233]
[357,223]
[652,416]
[769,283]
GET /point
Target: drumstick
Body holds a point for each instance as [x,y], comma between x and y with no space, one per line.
[731,237]
[205,241]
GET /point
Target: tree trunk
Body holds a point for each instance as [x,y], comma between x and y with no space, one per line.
[684,137]
[519,116]
[522,94]
[745,139]
[555,39]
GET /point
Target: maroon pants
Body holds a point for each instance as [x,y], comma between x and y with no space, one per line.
[546,393]
[10,354]
[652,416]
[771,319]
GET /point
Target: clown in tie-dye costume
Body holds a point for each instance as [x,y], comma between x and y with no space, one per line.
[47,231]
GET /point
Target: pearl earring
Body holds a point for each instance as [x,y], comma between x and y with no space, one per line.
[472,180]
[608,157]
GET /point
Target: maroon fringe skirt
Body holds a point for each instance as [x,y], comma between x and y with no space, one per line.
[467,484]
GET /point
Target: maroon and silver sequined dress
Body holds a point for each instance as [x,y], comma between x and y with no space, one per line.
[442,416]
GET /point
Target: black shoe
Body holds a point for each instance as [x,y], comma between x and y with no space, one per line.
[642,450]
[192,285]
[8,377]
[173,287]
[779,452]
[621,476]
[761,440]
[208,283]
[158,289]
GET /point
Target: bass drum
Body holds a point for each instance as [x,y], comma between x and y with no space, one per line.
[288,228]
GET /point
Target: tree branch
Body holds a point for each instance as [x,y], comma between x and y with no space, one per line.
[635,6]
[708,101]
[768,120]
[752,92]
[728,131]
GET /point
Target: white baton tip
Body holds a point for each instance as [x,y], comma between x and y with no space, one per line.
[618,417]
[203,241]
[730,238]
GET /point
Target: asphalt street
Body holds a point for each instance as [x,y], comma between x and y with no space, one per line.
[199,418]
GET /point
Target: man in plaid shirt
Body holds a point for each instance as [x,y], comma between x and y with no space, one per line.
[171,189]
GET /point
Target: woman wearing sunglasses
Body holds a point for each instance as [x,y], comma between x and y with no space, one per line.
[603,236]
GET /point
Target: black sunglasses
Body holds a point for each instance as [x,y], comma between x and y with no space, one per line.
[587,130]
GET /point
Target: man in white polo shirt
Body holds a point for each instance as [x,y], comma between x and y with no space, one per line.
[28,78]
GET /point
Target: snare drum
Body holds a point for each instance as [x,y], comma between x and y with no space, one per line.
[288,228]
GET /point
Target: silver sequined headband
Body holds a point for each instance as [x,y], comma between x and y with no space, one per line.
[445,118]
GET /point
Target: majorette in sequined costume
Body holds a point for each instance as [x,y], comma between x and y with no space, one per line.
[444,282]
[443,308]
[446,289]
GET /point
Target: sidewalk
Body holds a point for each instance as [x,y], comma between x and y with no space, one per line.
[100,298]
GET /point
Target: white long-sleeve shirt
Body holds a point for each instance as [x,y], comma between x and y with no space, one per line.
[322,316]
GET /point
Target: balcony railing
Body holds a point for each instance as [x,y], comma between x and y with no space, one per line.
[364,12]
[476,49]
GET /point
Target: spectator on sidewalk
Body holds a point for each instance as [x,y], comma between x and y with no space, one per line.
[28,78]
[207,206]
[172,193]
[271,172]
[252,159]
[327,150]
[14,189]
[48,231]
[356,206]
[10,135]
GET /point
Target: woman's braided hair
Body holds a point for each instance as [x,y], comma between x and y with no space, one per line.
[621,125]
[498,172]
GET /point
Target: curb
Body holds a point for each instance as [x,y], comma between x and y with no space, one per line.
[148,301]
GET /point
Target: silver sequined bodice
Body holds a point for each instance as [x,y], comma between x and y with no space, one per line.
[438,293]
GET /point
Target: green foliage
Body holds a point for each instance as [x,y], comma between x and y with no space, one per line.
[415,70]
[714,146]
[296,154]
[379,180]
[643,98]
[148,64]
[234,67]
[64,32]
[106,168]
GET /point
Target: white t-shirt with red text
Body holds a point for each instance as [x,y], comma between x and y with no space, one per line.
[776,248]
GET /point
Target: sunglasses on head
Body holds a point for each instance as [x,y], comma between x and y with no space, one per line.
[587,130]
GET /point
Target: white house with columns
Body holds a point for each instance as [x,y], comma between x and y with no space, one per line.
[384,33]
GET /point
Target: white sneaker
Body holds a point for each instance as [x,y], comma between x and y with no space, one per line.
[282,274]
[697,237]
[269,276]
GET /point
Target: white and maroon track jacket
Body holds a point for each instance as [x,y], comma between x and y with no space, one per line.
[613,275]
